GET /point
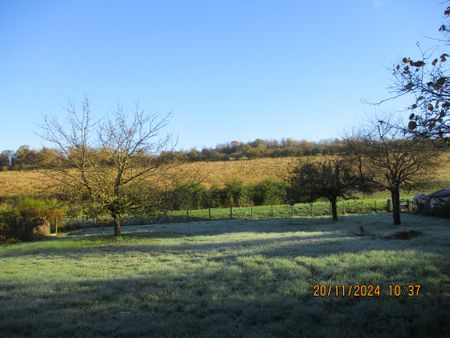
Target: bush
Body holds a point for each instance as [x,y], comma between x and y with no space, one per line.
[190,195]
[269,192]
[27,218]
[235,194]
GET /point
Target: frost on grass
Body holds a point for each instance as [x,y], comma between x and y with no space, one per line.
[226,279]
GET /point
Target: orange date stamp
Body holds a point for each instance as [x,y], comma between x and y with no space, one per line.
[366,290]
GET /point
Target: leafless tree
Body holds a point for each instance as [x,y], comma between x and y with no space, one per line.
[102,160]
[391,161]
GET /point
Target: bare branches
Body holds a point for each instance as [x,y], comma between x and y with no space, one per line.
[101,159]
[425,78]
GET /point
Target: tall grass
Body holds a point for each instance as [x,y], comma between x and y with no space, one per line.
[207,173]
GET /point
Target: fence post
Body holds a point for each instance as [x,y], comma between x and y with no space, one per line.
[311,209]
[209,213]
[251,212]
[271,210]
[231,212]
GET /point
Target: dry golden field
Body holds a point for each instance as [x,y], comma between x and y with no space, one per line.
[15,183]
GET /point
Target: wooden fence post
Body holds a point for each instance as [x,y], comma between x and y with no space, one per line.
[231,212]
[311,209]
[209,213]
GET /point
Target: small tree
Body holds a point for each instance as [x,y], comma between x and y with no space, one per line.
[391,161]
[101,162]
[330,179]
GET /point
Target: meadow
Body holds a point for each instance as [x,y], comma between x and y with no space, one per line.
[238,278]
[36,182]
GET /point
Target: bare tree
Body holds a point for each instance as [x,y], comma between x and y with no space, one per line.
[391,161]
[101,161]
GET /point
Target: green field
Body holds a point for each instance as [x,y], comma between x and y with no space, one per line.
[232,278]
[300,210]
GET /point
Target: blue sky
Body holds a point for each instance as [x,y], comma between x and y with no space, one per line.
[228,70]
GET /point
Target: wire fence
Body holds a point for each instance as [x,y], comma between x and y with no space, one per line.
[300,210]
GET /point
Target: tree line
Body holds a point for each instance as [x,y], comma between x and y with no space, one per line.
[26,158]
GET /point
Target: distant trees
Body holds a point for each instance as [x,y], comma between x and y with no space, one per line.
[25,158]
[121,141]
[331,179]
[5,159]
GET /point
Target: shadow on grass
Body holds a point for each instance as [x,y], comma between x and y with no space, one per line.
[221,287]
[228,302]
[320,237]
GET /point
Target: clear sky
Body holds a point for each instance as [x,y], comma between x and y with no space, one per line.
[228,70]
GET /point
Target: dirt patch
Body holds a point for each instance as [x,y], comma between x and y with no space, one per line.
[403,235]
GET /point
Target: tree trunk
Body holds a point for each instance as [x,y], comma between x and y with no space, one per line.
[395,195]
[334,209]
[116,218]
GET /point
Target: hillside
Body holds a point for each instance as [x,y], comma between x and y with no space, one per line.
[14,183]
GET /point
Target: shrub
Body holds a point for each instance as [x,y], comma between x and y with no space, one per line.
[269,192]
[235,194]
[190,195]
[28,217]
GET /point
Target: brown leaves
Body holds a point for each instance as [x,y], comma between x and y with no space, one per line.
[417,64]
[412,125]
[440,82]
[409,86]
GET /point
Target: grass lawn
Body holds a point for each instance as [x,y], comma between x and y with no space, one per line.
[228,279]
